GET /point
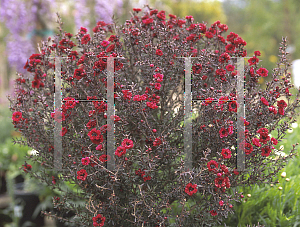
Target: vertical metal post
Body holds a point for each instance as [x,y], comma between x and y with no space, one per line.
[240,116]
[110,113]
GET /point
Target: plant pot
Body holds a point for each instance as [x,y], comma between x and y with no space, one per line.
[25,205]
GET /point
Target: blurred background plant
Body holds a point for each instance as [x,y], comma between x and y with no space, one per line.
[24,23]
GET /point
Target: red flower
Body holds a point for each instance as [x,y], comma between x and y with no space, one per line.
[161,15]
[248,148]
[98,220]
[137,9]
[148,21]
[79,73]
[110,48]
[157,142]
[219,182]
[120,151]
[281,104]
[225,57]
[191,189]
[104,158]
[104,43]
[146,178]
[159,77]
[264,138]
[140,172]
[221,202]
[253,61]
[213,213]
[255,141]
[212,165]
[273,109]
[63,131]
[127,94]
[209,34]
[274,141]
[159,52]
[81,174]
[197,68]
[226,153]
[257,53]
[230,48]
[264,101]
[17,116]
[83,30]
[262,72]
[223,133]
[85,39]
[232,106]
[265,151]
[157,86]
[230,68]
[127,143]
[36,83]
[263,131]
[26,167]
[95,136]
[85,161]
[281,111]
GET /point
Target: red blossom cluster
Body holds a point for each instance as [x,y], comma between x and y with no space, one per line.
[149,54]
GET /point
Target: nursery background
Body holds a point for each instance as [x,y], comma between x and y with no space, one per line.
[262,24]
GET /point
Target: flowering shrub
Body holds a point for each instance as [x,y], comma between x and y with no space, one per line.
[149,185]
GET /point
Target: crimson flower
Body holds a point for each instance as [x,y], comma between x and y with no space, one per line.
[281,104]
[148,21]
[127,143]
[226,153]
[262,72]
[212,165]
[36,83]
[232,106]
[213,213]
[230,68]
[281,111]
[85,39]
[191,189]
[85,161]
[253,61]
[265,151]
[95,136]
[257,53]
[120,151]
[17,116]
[104,158]
[255,141]
[81,174]
[209,34]
[274,141]
[110,48]
[63,131]
[197,68]
[223,133]
[248,148]
[264,101]
[157,142]
[98,220]
[159,52]
[137,9]
[27,167]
